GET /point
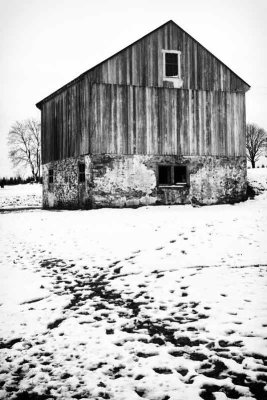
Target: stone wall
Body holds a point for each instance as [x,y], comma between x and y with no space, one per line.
[66,191]
[131,181]
[216,180]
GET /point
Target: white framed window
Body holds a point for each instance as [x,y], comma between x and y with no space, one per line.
[172,67]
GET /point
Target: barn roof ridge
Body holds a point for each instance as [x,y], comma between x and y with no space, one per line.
[73,81]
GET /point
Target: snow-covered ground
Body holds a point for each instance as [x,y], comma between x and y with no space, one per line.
[152,303]
[21,196]
[257,179]
[262,161]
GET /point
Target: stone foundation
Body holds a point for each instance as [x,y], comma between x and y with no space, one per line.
[132,181]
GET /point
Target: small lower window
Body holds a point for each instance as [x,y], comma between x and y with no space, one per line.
[51,176]
[165,172]
[172,174]
[81,172]
[179,174]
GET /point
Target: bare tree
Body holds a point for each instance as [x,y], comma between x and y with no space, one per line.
[34,128]
[24,141]
[255,143]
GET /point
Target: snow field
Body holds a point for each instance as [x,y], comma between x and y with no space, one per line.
[21,196]
[154,303]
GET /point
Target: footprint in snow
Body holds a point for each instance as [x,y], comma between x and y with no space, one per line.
[139,377]
[177,353]
[161,370]
[182,371]
[146,355]
[198,356]
[140,392]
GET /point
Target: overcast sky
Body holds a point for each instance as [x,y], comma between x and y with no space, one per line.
[46,43]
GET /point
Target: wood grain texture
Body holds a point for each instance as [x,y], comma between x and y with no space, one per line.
[124,106]
[140,64]
[118,119]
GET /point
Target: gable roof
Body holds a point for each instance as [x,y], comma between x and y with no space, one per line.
[72,82]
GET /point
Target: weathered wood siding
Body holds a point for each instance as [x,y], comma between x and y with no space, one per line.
[122,106]
[141,64]
[65,123]
[120,119]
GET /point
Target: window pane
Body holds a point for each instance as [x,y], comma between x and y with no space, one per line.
[165,175]
[179,174]
[171,64]
[50,176]
[82,177]
[171,70]
[81,167]
[171,58]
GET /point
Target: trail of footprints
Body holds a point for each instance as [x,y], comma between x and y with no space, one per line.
[94,288]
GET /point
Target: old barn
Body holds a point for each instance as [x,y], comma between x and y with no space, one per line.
[160,122]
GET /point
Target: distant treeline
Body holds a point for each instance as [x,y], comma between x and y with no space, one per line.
[18,181]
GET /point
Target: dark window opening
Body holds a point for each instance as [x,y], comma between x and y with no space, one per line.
[171,64]
[172,174]
[165,175]
[81,172]
[51,176]
[179,174]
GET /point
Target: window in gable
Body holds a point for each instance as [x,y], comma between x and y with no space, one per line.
[172,68]
[171,64]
